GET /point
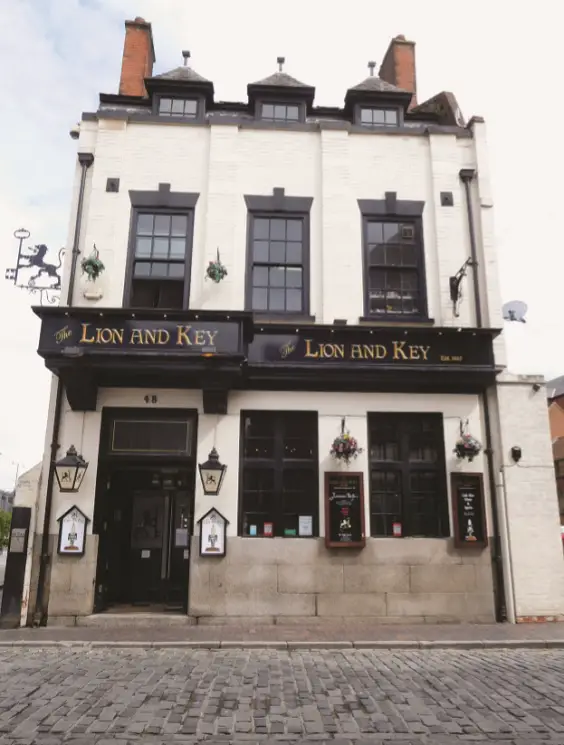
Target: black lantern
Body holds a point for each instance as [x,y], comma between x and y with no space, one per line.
[70,471]
[212,473]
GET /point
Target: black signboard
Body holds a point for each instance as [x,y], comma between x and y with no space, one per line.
[469,510]
[117,334]
[344,510]
[379,346]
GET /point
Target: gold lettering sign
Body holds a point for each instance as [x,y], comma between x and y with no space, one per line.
[181,336]
[395,350]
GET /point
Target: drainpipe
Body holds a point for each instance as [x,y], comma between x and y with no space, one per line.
[467,175]
[40,608]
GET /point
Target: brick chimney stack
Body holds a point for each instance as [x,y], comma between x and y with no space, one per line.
[138,58]
[398,67]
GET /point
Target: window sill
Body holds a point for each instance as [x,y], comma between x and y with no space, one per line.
[390,320]
[282,318]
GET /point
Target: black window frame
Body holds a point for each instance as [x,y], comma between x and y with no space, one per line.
[131,258]
[275,102]
[279,465]
[423,313]
[358,116]
[200,107]
[305,264]
[404,423]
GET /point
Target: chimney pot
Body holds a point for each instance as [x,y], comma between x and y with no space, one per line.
[138,57]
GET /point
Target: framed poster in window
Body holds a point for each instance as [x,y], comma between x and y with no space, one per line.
[468,510]
[344,510]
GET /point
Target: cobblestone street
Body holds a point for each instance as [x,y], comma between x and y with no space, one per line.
[53,695]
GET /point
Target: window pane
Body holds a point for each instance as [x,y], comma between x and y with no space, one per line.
[391,117]
[260,276]
[294,301]
[260,299]
[293,253]
[377,255]
[260,228]
[190,107]
[279,112]
[276,300]
[164,106]
[260,251]
[143,247]
[171,294]
[259,431]
[378,116]
[142,269]
[292,113]
[159,269]
[277,277]
[277,252]
[391,232]
[177,247]
[178,106]
[176,270]
[162,224]
[267,110]
[294,230]
[277,230]
[293,277]
[366,116]
[374,232]
[144,224]
[179,225]
[160,247]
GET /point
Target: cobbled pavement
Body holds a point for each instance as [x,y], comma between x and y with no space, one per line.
[85,696]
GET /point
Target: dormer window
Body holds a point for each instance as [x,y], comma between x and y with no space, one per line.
[280,112]
[378,117]
[185,107]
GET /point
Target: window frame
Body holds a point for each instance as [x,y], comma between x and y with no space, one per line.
[281,215]
[129,277]
[277,465]
[276,102]
[405,468]
[379,107]
[417,222]
[200,107]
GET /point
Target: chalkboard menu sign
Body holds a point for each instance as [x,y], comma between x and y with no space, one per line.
[344,510]
[469,510]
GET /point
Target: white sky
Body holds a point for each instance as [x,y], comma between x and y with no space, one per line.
[501,61]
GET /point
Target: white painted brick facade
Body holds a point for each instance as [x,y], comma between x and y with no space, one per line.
[223,163]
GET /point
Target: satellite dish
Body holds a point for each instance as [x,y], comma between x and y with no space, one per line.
[515,311]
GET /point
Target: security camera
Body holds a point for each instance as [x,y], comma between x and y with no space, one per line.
[75,132]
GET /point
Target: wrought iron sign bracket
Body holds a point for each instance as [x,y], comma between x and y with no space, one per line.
[44,278]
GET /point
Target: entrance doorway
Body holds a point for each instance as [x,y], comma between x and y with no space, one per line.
[144,532]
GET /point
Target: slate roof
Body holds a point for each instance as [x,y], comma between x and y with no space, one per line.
[182,74]
[373,84]
[555,387]
[281,79]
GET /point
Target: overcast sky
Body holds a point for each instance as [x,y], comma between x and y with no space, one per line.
[500,61]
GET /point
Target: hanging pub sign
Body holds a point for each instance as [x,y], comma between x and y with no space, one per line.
[469,511]
[344,510]
[213,529]
[72,532]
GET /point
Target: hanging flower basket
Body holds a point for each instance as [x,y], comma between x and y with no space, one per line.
[467,447]
[345,447]
[92,266]
[215,270]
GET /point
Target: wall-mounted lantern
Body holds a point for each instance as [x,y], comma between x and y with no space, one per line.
[212,473]
[70,471]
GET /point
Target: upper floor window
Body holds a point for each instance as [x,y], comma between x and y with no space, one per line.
[160,260]
[407,475]
[394,267]
[377,117]
[280,112]
[279,474]
[278,271]
[186,107]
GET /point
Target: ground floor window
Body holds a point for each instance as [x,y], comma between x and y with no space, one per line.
[279,474]
[407,475]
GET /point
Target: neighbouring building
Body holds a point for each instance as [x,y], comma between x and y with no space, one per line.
[555,396]
[361,298]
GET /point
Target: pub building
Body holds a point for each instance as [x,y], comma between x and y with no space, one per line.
[283,394]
